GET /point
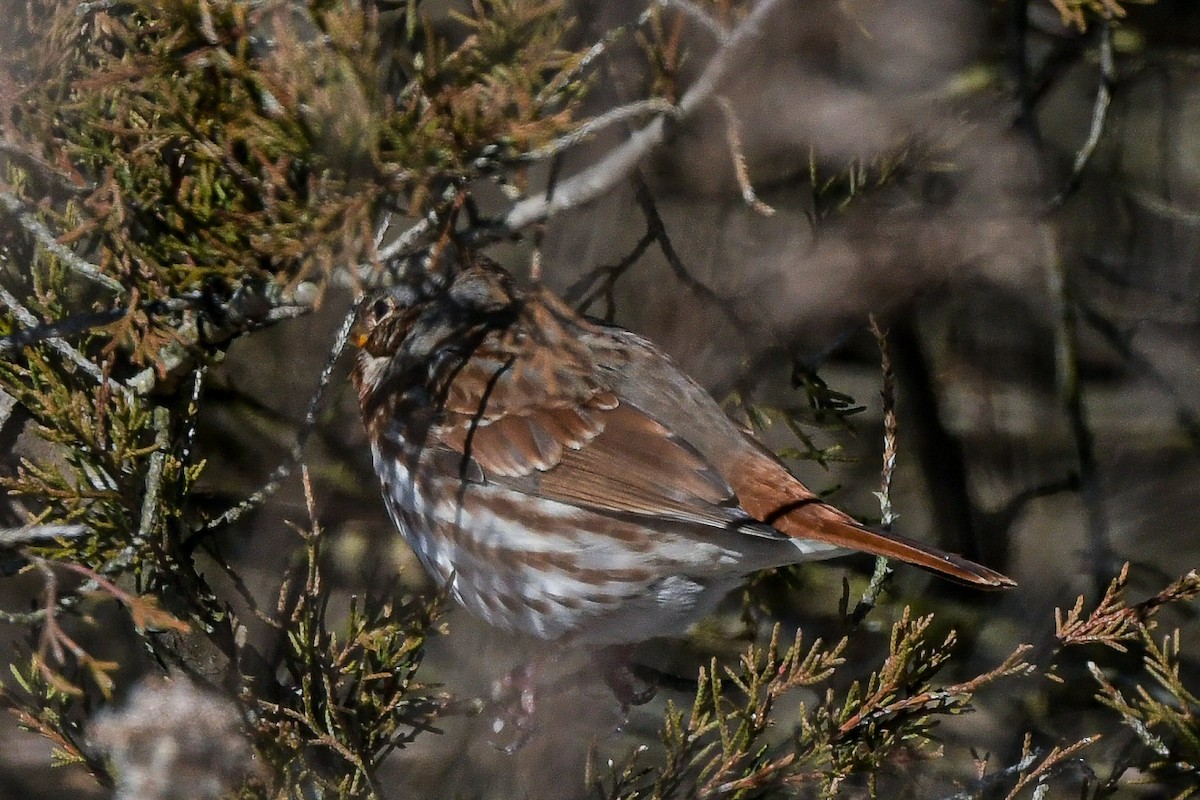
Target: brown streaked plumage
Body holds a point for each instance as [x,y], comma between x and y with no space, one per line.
[564,478]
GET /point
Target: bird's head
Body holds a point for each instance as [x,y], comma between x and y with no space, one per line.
[412,327]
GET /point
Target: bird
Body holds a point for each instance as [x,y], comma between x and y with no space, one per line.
[561,477]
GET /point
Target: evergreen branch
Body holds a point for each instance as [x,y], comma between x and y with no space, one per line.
[60,346]
[1052,760]
[34,227]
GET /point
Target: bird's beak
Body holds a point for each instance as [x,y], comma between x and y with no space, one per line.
[359,334]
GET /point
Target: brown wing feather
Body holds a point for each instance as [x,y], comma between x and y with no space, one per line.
[555,432]
[521,443]
[771,494]
[635,466]
[516,410]
[631,466]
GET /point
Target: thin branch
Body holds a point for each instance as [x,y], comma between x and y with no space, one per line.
[638,108]
[381,230]
[13,537]
[1070,391]
[1108,78]
[307,425]
[154,475]
[1164,208]
[60,346]
[733,135]
[1018,58]
[656,226]
[696,14]
[602,279]
[35,228]
[405,241]
[887,394]
[1120,340]
[601,177]
[24,618]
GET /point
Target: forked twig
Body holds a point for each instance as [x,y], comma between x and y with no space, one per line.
[656,226]
[599,178]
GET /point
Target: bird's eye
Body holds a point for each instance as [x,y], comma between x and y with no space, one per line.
[380,308]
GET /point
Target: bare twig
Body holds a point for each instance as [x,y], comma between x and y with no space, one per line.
[381,230]
[14,537]
[307,425]
[1174,212]
[599,178]
[404,242]
[1070,389]
[25,617]
[602,279]
[154,474]
[1122,341]
[695,13]
[60,346]
[1108,78]
[588,129]
[741,172]
[35,228]
[887,516]
[656,226]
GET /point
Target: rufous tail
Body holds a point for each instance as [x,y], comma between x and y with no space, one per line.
[826,524]
[769,493]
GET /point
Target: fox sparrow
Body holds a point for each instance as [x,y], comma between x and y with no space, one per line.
[564,478]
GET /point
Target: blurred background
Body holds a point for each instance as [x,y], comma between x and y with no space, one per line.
[1013,194]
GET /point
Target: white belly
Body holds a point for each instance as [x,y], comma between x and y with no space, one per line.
[567,570]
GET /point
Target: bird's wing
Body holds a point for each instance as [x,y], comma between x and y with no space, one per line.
[542,424]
